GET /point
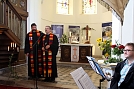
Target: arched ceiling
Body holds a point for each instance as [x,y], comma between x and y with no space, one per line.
[118,6]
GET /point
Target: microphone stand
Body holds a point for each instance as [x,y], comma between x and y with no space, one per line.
[36,45]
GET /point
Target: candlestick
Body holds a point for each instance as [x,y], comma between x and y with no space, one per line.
[15,45]
[11,44]
[8,48]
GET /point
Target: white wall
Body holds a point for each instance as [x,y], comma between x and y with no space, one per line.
[49,16]
[128,26]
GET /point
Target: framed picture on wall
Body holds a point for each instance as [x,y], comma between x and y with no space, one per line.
[106,30]
[57,30]
[106,36]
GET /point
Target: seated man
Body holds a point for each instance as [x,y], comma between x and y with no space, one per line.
[123,77]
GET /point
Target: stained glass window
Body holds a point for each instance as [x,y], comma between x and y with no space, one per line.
[63,6]
[89,6]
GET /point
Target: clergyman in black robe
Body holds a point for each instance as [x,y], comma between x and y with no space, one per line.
[30,51]
[50,49]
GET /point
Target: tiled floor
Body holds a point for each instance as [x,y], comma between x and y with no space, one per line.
[64,78]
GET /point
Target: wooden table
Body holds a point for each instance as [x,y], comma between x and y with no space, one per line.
[75,52]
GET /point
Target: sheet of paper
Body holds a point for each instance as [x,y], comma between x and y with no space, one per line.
[108,72]
[86,82]
[95,66]
[92,64]
[77,74]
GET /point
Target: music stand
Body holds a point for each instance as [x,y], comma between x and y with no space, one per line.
[95,66]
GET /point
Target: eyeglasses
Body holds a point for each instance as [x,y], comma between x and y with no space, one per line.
[127,50]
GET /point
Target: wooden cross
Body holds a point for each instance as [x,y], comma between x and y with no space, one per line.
[87,28]
[74,55]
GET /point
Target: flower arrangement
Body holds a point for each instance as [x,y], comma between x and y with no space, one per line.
[105,46]
[117,50]
[64,39]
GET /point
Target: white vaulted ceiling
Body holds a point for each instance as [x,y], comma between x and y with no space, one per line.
[118,5]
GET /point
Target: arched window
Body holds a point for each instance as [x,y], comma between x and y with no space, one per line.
[63,6]
[89,6]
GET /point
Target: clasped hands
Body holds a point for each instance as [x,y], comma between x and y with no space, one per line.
[47,47]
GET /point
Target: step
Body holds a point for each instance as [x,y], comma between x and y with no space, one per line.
[3,37]
[4,43]
[7,53]
[4,61]
[3,48]
[3,65]
[7,57]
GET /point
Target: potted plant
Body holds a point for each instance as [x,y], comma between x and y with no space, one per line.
[64,39]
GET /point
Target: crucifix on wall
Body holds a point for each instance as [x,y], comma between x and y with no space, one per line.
[87,28]
[87,33]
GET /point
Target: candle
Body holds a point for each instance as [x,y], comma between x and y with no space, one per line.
[70,34]
[8,48]
[11,44]
[17,49]
[85,37]
[89,33]
[15,45]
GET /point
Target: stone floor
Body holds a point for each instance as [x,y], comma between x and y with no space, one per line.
[64,79]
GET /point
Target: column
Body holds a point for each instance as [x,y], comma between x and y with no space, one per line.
[23,34]
[34,10]
[116,28]
[125,33]
[128,25]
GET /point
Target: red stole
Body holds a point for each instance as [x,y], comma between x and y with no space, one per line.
[49,56]
[31,53]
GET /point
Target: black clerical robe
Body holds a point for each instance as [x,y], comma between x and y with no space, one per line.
[49,55]
[30,40]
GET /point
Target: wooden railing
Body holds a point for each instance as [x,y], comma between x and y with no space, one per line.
[10,17]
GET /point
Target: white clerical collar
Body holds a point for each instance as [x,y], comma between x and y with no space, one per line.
[34,30]
[48,34]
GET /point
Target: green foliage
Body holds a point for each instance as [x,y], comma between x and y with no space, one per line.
[10,62]
[64,39]
[117,50]
[105,46]
[12,71]
[113,60]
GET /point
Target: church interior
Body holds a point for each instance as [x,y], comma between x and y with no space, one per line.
[78,24]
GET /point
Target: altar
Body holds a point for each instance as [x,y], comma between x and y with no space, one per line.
[75,52]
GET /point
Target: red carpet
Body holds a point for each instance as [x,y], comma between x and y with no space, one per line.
[11,87]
